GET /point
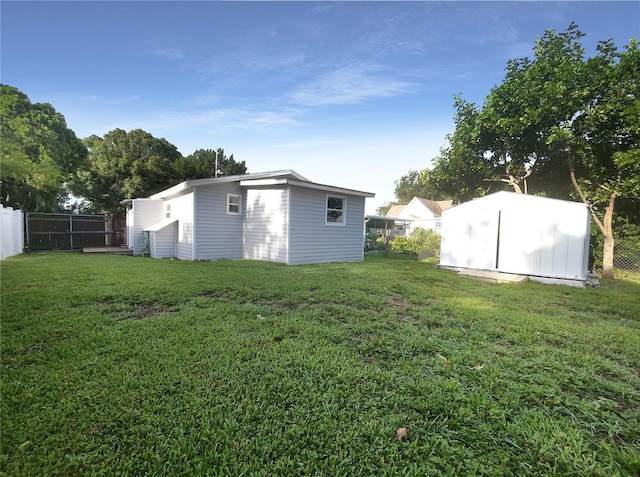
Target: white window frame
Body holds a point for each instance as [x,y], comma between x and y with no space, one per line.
[327,210]
[229,204]
[167,211]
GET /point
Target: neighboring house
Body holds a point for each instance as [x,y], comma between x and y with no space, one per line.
[394,210]
[423,213]
[276,216]
[518,233]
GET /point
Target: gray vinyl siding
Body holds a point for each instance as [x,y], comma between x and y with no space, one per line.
[216,233]
[182,209]
[311,240]
[163,242]
[184,251]
[265,224]
[146,212]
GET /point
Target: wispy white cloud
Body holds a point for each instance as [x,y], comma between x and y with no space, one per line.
[168,52]
[248,66]
[172,122]
[350,84]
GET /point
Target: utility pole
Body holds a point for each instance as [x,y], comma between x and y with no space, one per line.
[215,172]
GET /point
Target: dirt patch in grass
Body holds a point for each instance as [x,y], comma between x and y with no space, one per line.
[127,310]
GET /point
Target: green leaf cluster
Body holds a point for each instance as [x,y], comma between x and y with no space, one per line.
[554,103]
[560,125]
[132,164]
[38,152]
[42,161]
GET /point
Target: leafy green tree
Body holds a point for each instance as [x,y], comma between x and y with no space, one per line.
[601,142]
[417,184]
[462,171]
[383,209]
[559,125]
[124,165]
[38,153]
[202,163]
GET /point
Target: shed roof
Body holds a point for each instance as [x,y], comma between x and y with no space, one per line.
[183,186]
[160,225]
[512,200]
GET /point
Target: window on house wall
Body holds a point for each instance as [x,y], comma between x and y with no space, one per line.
[167,211]
[438,224]
[336,207]
[233,204]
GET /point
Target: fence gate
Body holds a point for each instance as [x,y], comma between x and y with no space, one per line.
[71,231]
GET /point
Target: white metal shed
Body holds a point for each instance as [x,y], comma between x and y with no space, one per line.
[517,233]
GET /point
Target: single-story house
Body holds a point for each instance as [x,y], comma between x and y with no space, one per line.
[277,216]
[520,234]
[421,213]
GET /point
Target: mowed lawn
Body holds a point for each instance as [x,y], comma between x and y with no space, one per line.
[119,366]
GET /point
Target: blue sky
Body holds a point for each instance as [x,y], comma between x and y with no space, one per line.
[352,94]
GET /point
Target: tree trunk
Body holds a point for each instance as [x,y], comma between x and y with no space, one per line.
[605,226]
[607,249]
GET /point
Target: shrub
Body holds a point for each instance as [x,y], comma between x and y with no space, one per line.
[374,242]
[402,244]
[421,242]
[427,242]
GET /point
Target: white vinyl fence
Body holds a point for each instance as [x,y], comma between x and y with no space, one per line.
[11,232]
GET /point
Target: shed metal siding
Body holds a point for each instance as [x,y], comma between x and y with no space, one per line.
[311,240]
[265,230]
[145,213]
[547,243]
[162,243]
[518,233]
[216,233]
[470,244]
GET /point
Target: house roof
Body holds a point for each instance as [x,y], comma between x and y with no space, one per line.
[307,184]
[183,186]
[286,176]
[395,210]
[436,206]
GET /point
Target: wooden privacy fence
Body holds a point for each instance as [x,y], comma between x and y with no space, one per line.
[72,231]
[11,232]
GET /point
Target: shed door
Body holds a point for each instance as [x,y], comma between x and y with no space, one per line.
[483,239]
[130,227]
[522,233]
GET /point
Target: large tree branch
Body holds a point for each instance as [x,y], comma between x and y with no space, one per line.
[576,186]
[513,182]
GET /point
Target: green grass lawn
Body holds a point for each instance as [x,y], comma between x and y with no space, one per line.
[119,366]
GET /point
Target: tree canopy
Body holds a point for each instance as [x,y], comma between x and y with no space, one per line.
[38,153]
[42,161]
[203,162]
[559,125]
[413,184]
[134,164]
[121,165]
